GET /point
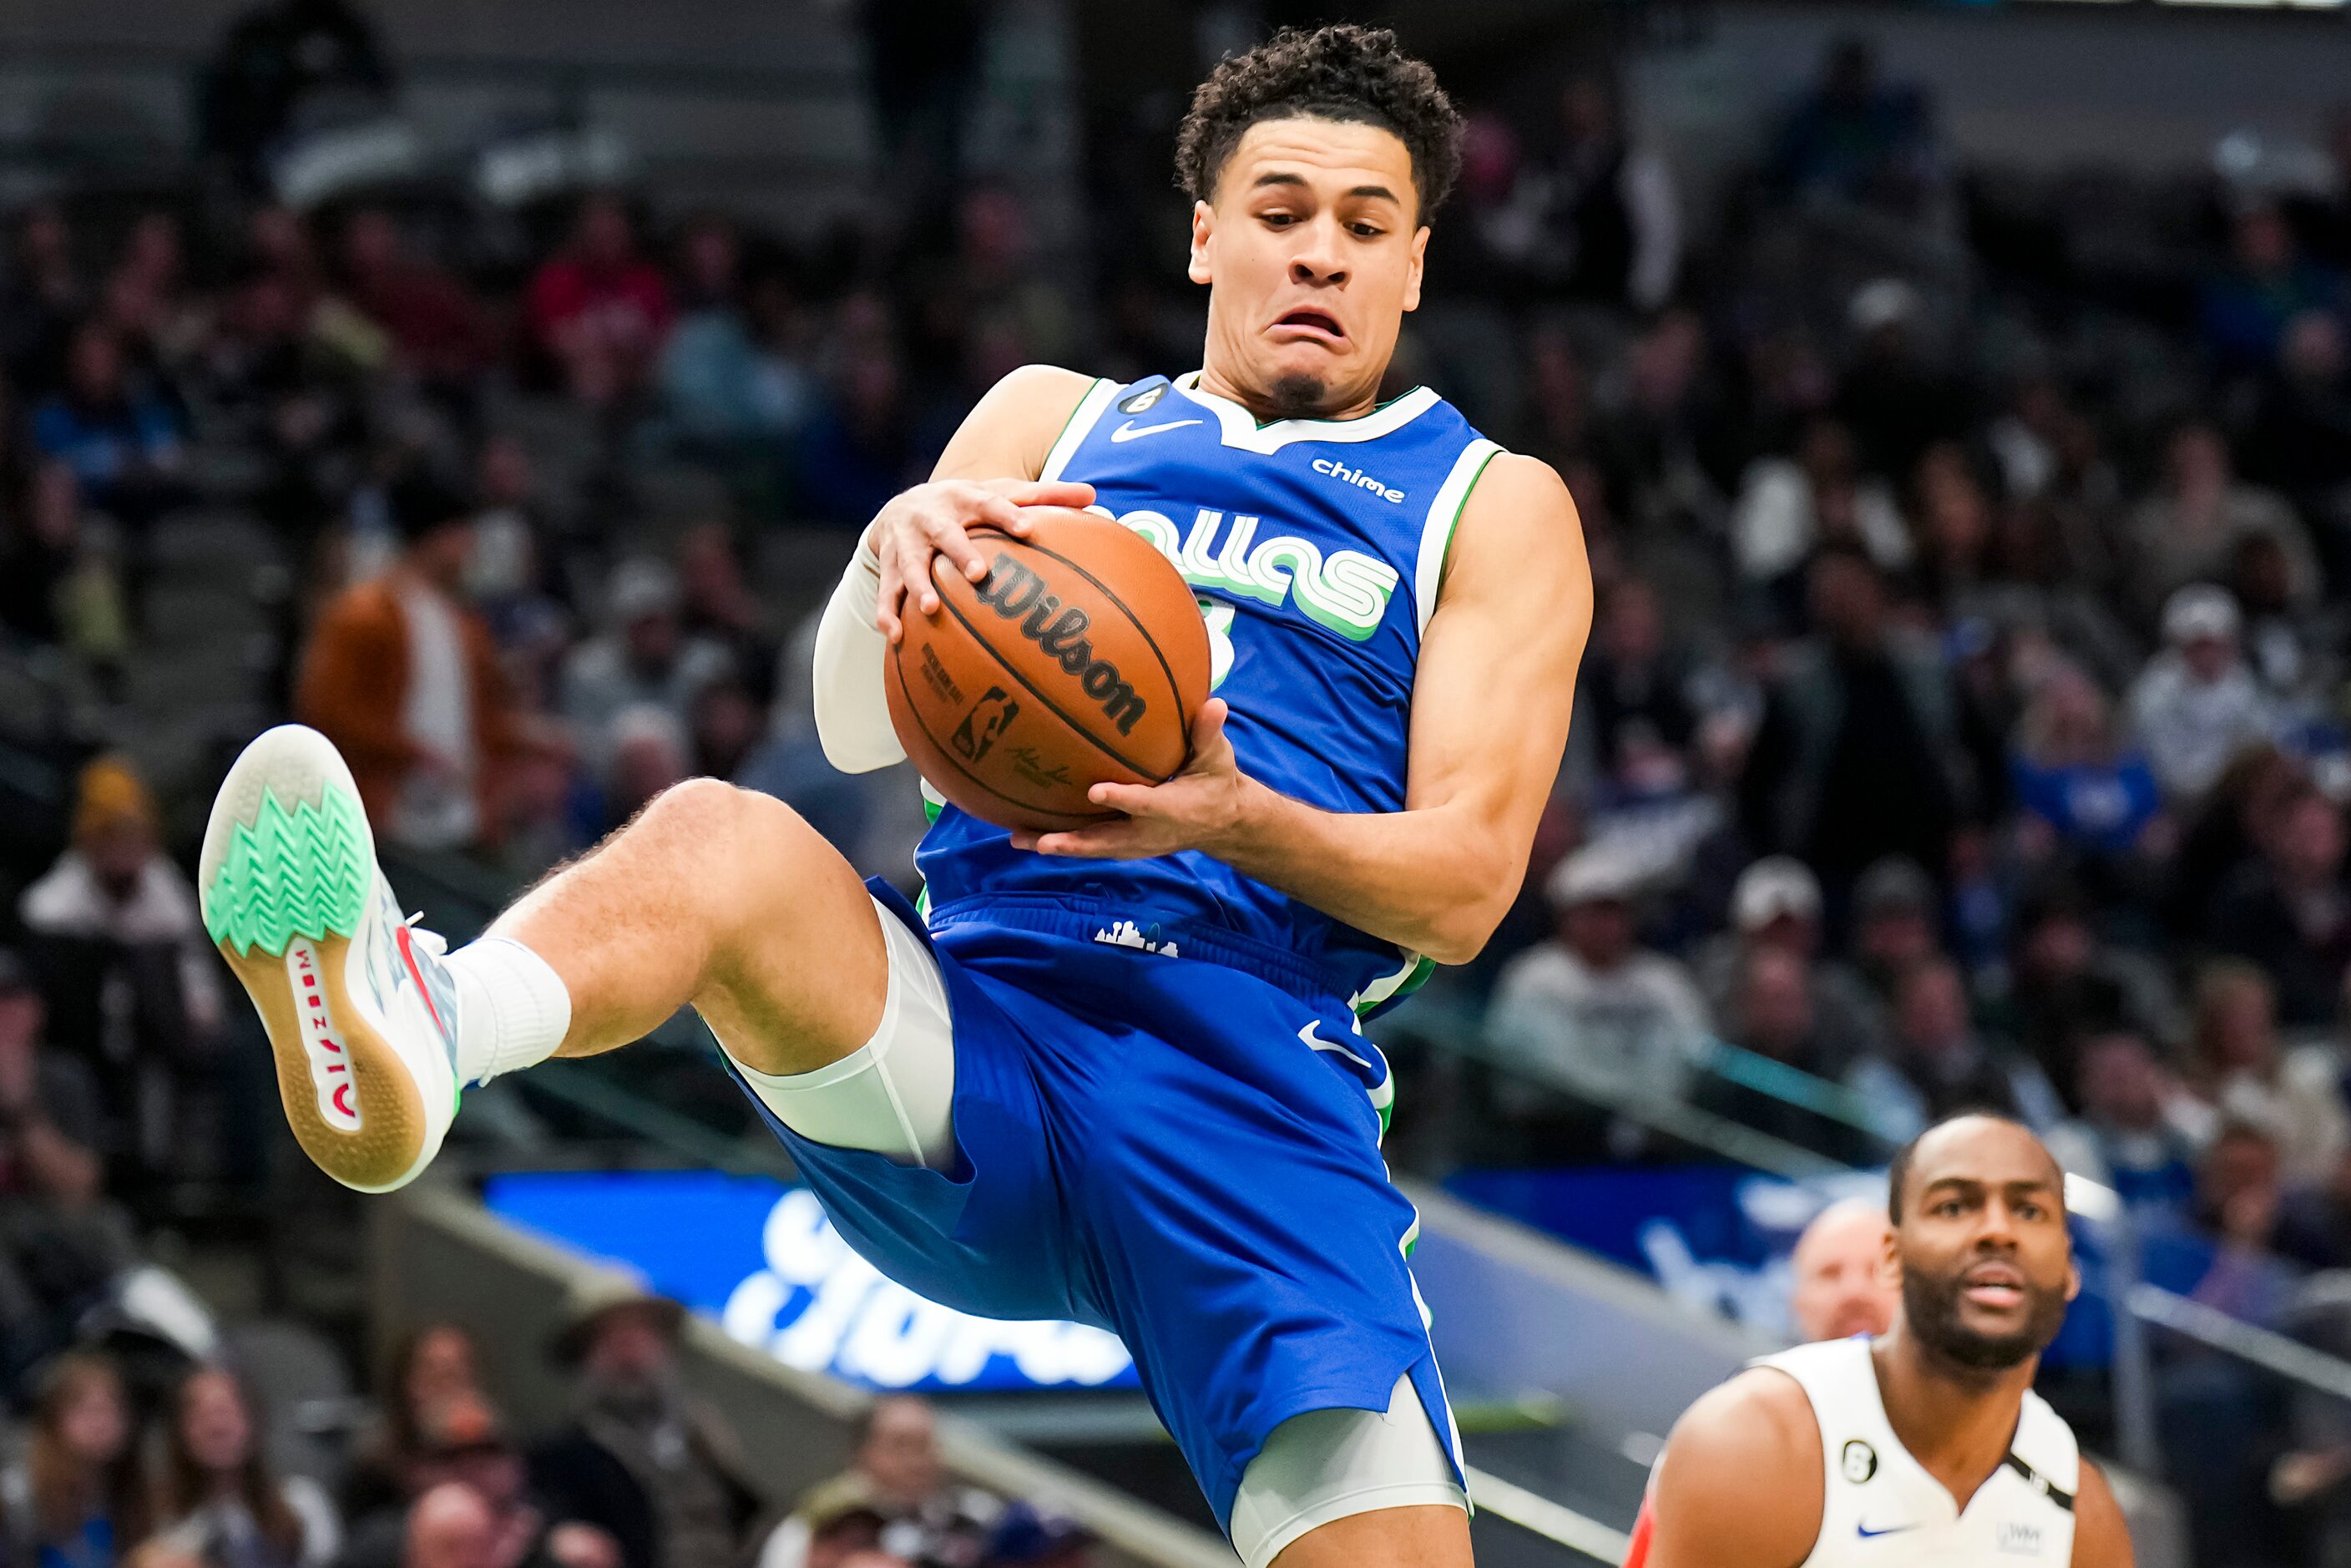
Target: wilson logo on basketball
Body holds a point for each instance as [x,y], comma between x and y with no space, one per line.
[1017,593]
[322,1042]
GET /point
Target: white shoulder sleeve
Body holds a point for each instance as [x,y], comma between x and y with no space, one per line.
[852,717]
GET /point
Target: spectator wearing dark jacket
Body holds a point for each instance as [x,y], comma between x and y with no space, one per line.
[275,59]
[1858,756]
[2290,914]
[1939,1064]
[663,1476]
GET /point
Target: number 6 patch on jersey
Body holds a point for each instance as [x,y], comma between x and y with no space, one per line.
[1219,618]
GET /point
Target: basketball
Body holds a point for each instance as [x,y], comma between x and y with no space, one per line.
[1079,659]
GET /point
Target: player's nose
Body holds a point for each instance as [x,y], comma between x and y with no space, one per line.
[1317,262]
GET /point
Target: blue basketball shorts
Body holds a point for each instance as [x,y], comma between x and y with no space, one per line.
[1182,1149]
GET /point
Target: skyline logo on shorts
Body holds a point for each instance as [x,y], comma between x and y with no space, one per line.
[1126,933]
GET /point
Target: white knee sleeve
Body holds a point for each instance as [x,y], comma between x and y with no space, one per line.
[894,1095]
[1328,1465]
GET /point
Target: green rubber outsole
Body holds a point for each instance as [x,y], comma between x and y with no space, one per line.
[303,871]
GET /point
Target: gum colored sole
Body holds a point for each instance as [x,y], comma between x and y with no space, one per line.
[382,1151]
[282,908]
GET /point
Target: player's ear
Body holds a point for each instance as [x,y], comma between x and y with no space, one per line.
[1203,225]
[1412,276]
[2073,1278]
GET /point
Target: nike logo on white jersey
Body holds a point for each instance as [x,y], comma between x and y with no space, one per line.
[1130,431]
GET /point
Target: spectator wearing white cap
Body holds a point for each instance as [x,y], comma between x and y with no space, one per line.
[1775,905]
[1591,1006]
[2196,706]
[644,657]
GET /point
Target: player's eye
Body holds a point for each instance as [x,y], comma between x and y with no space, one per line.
[1279,219]
[1367,231]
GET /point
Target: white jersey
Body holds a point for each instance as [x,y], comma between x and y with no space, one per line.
[1879,1507]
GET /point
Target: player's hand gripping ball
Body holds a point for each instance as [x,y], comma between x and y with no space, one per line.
[1080,659]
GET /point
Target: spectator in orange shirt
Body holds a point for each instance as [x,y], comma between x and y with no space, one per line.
[403,677]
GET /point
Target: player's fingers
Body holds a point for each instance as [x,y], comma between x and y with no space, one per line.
[1002,512]
[1051,493]
[1135,799]
[894,590]
[914,571]
[1110,841]
[1208,730]
[947,537]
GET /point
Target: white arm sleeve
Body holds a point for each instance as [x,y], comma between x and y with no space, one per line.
[852,717]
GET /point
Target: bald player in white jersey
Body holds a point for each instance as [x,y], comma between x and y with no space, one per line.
[1926,1444]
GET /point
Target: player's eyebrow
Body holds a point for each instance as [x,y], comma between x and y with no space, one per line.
[1278,177]
[1377,192]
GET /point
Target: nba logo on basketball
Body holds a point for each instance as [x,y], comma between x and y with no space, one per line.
[983,723]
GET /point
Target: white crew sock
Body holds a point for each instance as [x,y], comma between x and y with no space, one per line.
[512,1009]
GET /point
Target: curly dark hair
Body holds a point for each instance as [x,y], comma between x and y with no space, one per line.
[1341,72]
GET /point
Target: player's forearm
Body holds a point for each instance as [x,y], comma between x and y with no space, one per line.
[1432,880]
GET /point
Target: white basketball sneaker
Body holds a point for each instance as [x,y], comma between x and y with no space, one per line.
[360,1009]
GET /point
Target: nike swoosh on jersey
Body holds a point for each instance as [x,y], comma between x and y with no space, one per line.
[1131,432]
[1318,1044]
[1867,1534]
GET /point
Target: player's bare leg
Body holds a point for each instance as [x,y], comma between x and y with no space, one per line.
[723,899]
[1427,1537]
[714,897]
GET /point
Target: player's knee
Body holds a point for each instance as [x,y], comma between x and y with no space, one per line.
[724,818]
[758,859]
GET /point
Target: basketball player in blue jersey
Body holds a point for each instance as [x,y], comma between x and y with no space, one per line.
[1111,1075]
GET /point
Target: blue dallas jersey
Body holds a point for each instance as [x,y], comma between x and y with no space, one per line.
[1315,548]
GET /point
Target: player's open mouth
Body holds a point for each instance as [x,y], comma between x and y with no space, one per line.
[1312,323]
[1997,1285]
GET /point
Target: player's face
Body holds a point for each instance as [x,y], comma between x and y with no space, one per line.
[1987,1263]
[1312,251]
[1843,1286]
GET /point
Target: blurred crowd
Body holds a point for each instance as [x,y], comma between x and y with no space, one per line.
[1965,721]
[115,1464]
